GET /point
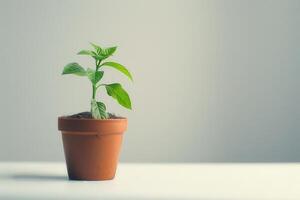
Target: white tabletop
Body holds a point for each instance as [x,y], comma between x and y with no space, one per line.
[154,181]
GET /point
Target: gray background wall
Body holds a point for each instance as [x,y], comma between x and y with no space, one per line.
[213,80]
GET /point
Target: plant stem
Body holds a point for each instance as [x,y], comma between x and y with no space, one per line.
[98,64]
[100,85]
[94,86]
[94,91]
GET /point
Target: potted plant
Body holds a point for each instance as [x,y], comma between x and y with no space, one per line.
[92,140]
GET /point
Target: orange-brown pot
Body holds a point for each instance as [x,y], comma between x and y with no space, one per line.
[91,146]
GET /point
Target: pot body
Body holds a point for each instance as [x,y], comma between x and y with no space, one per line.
[92,147]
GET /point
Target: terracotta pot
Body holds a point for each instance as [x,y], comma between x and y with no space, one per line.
[91,146]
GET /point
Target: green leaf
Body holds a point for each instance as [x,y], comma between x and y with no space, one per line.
[94,76]
[108,51]
[96,47]
[119,67]
[116,91]
[99,57]
[74,68]
[87,52]
[98,110]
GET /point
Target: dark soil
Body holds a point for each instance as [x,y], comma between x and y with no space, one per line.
[88,115]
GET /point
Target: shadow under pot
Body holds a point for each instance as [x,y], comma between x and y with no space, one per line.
[92,146]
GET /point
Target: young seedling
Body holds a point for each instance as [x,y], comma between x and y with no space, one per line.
[115,90]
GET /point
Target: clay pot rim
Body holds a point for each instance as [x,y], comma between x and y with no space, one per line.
[105,127]
[86,119]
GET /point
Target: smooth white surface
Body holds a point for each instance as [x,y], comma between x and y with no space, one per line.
[154,181]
